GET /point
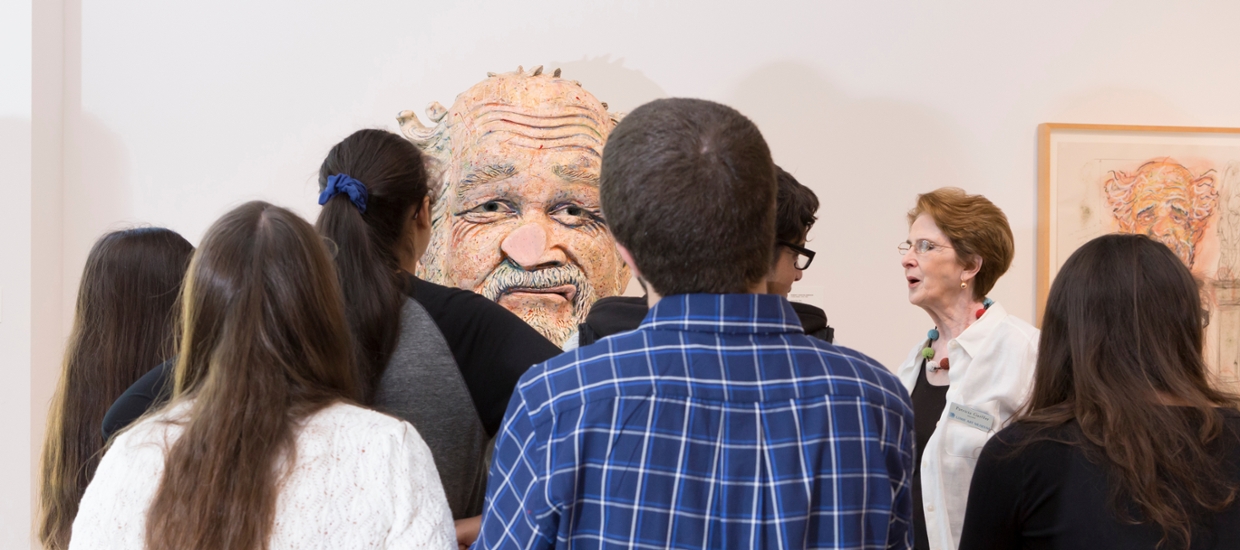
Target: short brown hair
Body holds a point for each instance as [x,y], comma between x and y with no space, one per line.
[795,206]
[976,228]
[688,187]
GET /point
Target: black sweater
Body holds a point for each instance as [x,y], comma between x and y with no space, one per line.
[1051,495]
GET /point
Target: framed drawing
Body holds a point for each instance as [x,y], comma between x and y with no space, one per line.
[1180,185]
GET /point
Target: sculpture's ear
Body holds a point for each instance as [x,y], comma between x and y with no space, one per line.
[413,129]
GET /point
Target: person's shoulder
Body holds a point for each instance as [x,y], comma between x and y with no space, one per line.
[813,318]
[416,321]
[430,294]
[150,438]
[876,381]
[618,302]
[343,417]
[356,433]
[580,374]
[866,366]
[1026,441]
[1015,328]
[616,314]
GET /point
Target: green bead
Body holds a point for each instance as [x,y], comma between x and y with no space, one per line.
[928,353]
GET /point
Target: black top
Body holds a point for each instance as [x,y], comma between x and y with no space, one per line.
[492,347]
[928,404]
[150,391]
[615,314]
[1050,495]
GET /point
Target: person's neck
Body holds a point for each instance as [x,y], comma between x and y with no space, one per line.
[653,296]
[953,317]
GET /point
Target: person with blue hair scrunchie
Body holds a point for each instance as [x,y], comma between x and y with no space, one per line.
[342,183]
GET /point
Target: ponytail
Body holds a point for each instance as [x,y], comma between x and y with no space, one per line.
[369,183]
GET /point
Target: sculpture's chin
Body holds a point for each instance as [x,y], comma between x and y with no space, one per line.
[551,314]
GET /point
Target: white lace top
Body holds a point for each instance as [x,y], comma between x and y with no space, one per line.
[362,480]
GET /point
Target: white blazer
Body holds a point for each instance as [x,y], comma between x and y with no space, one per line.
[991,372]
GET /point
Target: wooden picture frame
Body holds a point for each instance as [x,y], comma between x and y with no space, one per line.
[1178,184]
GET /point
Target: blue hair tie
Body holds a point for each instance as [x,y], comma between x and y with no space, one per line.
[341,183]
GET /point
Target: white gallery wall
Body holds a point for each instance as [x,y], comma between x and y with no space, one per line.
[171,113]
[15,271]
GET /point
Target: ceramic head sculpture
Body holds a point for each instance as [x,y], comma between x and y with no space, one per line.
[514,167]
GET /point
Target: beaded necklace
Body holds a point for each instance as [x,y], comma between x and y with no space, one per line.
[928,351]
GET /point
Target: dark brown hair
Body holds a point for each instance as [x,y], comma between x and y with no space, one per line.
[688,187]
[122,328]
[1122,338]
[795,209]
[263,344]
[977,229]
[368,244]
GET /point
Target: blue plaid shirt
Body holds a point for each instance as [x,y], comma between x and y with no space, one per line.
[716,424]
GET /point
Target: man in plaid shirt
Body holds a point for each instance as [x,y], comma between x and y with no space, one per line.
[717,423]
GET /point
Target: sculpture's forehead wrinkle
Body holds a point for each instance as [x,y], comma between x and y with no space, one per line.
[488,119]
[502,126]
[535,96]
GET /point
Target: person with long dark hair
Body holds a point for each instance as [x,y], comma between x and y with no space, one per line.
[262,444]
[123,324]
[445,359]
[1124,442]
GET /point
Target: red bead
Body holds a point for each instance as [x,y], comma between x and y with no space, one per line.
[980,313]
[943,364]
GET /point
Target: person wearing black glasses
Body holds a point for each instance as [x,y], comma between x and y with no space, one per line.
[795,206]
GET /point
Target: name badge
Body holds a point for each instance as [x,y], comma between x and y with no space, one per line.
[970,417]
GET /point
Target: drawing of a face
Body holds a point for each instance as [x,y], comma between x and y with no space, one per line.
[1162,199]
[518,217]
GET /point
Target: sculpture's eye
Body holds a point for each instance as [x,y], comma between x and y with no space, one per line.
[488,212]
[575,215]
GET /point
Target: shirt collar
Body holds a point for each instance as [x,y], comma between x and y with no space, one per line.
[727,313]
[977,333]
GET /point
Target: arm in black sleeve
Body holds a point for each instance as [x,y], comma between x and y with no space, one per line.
[992,519]
[492,346]
[150,391]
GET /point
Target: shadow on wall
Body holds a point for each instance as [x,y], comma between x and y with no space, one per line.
[98,195]
[866,159]
[622,89]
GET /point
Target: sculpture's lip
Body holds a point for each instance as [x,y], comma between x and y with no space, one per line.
[567,291]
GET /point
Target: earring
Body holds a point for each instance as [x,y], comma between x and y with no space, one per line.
[964,284]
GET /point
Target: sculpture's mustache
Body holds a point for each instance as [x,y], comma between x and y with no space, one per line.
[507,277]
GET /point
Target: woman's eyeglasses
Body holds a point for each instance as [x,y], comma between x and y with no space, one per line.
[922,246]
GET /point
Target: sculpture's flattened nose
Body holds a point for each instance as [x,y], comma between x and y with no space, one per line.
[526,245]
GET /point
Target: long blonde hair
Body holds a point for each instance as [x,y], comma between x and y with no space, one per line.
[122,327]
[264,343]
